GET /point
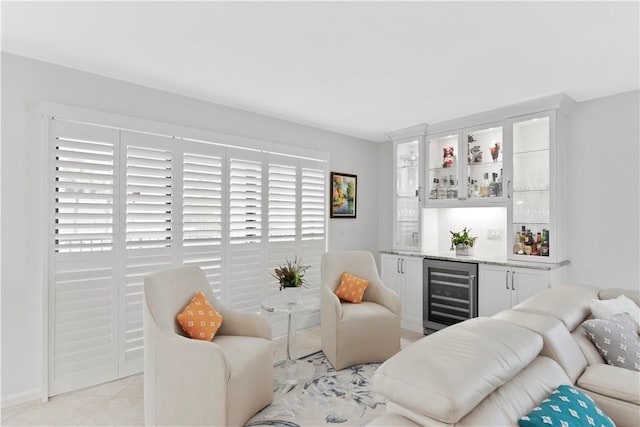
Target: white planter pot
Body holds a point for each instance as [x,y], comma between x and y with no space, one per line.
[291,295]
[465,250]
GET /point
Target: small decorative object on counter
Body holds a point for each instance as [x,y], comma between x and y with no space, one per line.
[448,156]
[462,242]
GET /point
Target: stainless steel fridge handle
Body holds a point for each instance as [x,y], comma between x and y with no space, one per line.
[513,275]
[472,312]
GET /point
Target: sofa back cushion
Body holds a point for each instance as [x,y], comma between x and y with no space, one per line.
[632,294]
[558,342]
[569,304]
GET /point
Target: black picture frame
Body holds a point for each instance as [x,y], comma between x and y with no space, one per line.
[343,195]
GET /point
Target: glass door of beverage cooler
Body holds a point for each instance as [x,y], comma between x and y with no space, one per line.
[407,206]
[485,170]
[443,173]
[531,204]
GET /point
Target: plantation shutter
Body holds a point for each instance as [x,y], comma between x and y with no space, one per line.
[149,245]
[202,216]
[245,264]
[313,204]
[283,214]
[82,292]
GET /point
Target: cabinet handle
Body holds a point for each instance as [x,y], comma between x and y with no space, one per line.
[418,194]
[513,275]
[509,189]
[398,266]
[472,312]
[401,265]
[506,280]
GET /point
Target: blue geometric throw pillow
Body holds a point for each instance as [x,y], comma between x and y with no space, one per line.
[566,407]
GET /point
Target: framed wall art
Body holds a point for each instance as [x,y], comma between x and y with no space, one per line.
[344,189]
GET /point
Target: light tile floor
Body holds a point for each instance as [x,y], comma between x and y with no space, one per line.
[120,403]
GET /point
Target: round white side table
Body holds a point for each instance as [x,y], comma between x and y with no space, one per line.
[291,370]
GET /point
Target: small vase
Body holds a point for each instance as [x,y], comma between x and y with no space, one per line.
[465,250]
[291,295]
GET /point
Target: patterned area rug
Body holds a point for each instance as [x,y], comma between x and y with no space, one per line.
[330,397]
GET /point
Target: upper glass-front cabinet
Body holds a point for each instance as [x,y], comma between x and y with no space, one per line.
[443,175]
[407,201]
[531,219]
[466,167]
[485,171]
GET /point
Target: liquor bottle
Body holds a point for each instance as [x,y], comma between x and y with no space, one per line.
[484,188]
[518,249]
[499,188]
[433,194]
[544,251]
[493,186]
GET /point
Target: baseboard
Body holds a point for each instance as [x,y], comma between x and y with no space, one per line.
[20,398]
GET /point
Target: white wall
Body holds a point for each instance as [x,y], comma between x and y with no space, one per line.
[603,197]
[25,84]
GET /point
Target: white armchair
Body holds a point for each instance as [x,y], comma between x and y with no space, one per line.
[368,332]
[194,382]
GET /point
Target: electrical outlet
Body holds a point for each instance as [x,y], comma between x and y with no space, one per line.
[494,233]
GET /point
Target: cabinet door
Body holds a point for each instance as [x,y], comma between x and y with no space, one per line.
[443,171]
[390,273]
[411,301]
[494,291]
[527,282]
[407,201]
[531,211]
[484,160]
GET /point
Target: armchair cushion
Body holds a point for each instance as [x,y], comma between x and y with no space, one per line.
[199,319]
[351,288]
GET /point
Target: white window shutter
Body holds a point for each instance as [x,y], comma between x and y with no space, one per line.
[83,331]
[149,247]
[245,263]
[202,241]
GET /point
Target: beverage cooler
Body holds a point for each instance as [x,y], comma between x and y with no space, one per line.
[450,293]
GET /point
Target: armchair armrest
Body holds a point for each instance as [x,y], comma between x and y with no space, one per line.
[378,293]
[173,398]
[330,306]
[238,323]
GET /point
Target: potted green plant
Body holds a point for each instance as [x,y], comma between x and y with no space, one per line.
[462,242]
[290,275]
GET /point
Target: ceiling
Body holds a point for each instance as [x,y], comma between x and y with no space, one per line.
[360,69]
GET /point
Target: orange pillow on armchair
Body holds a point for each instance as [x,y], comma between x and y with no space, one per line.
[351,288]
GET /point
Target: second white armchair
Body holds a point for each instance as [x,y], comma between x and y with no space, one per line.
[368,332]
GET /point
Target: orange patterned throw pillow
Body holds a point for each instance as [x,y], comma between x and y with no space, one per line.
[199,319]
[351,288]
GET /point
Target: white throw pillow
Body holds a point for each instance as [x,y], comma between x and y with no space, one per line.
[606,308]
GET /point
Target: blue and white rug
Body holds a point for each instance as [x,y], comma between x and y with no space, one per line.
[330,397]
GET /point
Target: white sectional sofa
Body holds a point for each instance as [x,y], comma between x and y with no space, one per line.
[492,371]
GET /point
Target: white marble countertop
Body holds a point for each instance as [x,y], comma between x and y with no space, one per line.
[451,256]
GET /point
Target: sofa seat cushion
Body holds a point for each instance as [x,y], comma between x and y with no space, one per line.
[363,312]
[445,375]
[612,381]
[519,396]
